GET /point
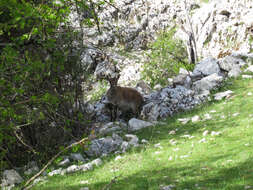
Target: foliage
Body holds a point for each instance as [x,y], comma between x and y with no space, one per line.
[186,156]
[40,78]
[167,55]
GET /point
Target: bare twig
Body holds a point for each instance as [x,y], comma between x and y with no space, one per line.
[26,186]
[22,142]
[193,50]
[112,5]
[19,126]
[95,15]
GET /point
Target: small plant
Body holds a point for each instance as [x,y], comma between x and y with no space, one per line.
[167,55]
[98,91]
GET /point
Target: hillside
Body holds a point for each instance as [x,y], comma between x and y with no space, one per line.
[214,152]
[126,94]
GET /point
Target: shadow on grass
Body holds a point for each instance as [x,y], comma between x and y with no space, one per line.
[194,177]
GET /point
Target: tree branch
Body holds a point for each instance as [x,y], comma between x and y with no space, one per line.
[27,184]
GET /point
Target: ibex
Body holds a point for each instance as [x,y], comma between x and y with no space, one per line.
[124,98]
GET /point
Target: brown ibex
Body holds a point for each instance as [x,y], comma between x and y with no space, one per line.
[123,98]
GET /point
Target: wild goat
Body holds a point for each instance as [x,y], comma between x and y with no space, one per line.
[124,98]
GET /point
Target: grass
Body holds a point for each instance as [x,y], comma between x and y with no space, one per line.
[188,159]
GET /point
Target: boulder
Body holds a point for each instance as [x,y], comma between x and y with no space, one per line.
[72,169]
[31,168]
[104,146]
[183,80]
[56,172]
[249,69]
[221,95]
[234,72]
[136,124]
[97,162]
[207,67]
[86,167]
[229,63]
[77,157]
[11,177]
[207,83]
[112,127]
[133,139]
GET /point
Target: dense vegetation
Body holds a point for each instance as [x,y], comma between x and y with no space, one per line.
[40,77]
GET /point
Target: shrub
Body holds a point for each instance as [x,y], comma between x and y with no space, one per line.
[40,80]
[167,55]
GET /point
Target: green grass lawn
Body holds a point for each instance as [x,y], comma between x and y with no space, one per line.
[192,158]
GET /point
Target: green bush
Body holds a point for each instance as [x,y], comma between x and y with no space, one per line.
[40,80]
[167,55]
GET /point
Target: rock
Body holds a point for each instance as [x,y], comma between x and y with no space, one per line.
[106,70]
[235,72]
[90,57]
[157,87]
[183,71]
[118,158]
[170,81]
[207,67]
[86,167]
[195,118]
[207,116]
[72,169]
[103,146]
[228,63]
[183,80]
[143,87]
[144,141]
[247,77]
[184,120]
[133,139]
[213,133]
[179,79]
[112,127]
[40,179]
[102,113]
[207,83]
[168,101]
[125,146]
[205,133]
[150,111]
[97,162]
[55,172]
[77,157]
[64,162]
[7,187]
[31,168]
[249,69]
[11,177]
[221,95]
[136,124]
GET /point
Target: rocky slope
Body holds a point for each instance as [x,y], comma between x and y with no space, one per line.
[223,30]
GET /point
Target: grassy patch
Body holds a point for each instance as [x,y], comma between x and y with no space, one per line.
[185,156]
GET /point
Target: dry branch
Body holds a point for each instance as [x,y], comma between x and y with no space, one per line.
[27,184]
